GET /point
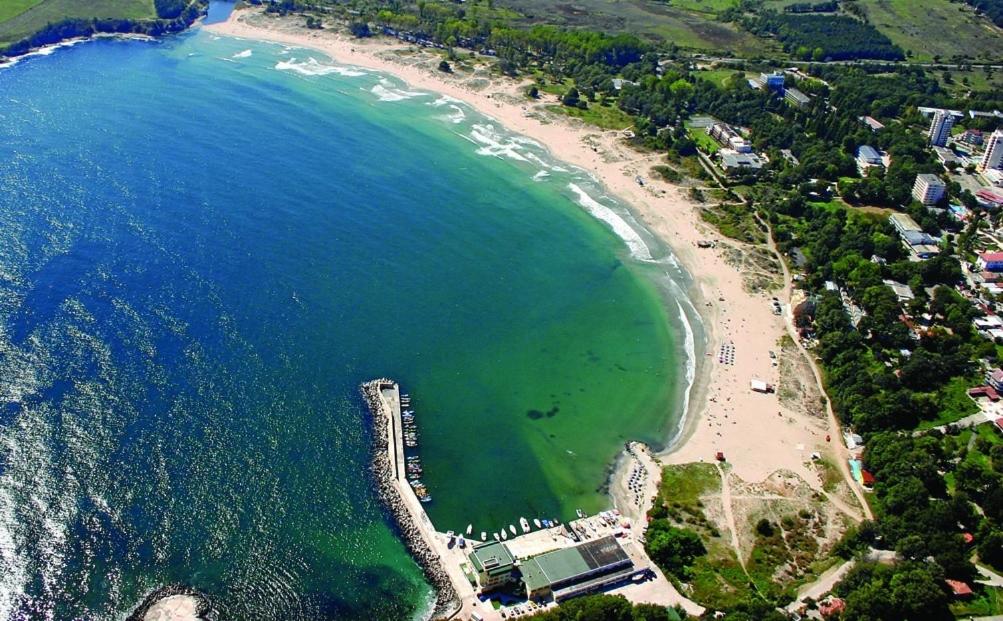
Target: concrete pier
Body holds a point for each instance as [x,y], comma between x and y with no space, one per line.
[390,472]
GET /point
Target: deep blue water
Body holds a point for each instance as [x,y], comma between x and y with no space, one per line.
[206,244]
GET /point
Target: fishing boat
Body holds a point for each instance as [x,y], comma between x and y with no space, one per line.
[470,527]
[511,527]
[579,513]
[484,536]
[536,522]
[504,534]
[495,535]
[460,541]
[524,523]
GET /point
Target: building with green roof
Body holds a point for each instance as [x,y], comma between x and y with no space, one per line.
[568,572]
[494,564]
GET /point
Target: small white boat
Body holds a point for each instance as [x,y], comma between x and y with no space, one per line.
[512,528]
[484,536]
[524,524]
[504,534]
[497,538]
[470,527]
[536,521]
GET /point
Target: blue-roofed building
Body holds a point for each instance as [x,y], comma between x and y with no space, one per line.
[868,156]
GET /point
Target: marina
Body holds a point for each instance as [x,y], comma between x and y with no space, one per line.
[599,552]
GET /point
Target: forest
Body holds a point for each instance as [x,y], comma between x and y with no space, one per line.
[992,8]
[824,37]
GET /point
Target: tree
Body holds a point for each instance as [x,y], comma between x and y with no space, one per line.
[533,92]
[445,67]
[571,98]
[673,549]
[360,29]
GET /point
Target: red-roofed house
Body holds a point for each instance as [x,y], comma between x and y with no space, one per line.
[999,424]
[958,588]
[984,391]
[990,198]
[968,537]
[831,606]
[990,262]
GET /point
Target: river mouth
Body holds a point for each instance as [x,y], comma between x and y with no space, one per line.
[208,243]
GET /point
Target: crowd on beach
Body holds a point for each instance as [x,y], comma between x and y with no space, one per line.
[636,482]
[447,601]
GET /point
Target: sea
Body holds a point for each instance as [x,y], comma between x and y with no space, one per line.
[207,244]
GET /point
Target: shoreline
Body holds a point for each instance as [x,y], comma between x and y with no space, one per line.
[723,414]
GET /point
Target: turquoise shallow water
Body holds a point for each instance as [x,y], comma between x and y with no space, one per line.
[206,244]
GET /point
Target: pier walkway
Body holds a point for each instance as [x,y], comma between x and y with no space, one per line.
[451,560]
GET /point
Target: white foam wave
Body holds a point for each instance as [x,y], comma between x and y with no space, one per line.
[311,66]
[244,54]
[541,175]
[638,249]
[456,116]
[42,51]
[385,93]
[689,345]
[494,145]
[442,100]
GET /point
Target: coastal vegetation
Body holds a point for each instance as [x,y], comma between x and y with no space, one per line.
[26,25]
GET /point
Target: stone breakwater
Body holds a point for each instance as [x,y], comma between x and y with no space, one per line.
[447,602]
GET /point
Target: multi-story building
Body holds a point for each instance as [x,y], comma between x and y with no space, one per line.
[773,81]
[494,564]
[940,128]
[796,98]
[993,157]
[928,189]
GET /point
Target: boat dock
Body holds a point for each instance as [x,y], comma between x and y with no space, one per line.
[431,551]
[442,556]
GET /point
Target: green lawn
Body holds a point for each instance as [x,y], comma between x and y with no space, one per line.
[719,77]
[35,14]
[704,141]
[935,28]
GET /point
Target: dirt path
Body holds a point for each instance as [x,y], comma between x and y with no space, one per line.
[729,514]
[835,430]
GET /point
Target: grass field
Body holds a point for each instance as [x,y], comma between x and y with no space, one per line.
[936,28]
[607,117]
[10,8]
[687,23]
[32,15]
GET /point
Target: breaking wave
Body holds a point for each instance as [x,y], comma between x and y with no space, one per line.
[638,249]
[312,66]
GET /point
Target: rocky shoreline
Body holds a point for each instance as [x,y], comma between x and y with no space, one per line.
[204,610]
[447,602]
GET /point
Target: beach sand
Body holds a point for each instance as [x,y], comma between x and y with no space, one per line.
[757,434]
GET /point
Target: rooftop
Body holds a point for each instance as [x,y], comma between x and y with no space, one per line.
[569,563]
[492,557]
[929,179]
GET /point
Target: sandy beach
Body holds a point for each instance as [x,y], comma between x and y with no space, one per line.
[756,432]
